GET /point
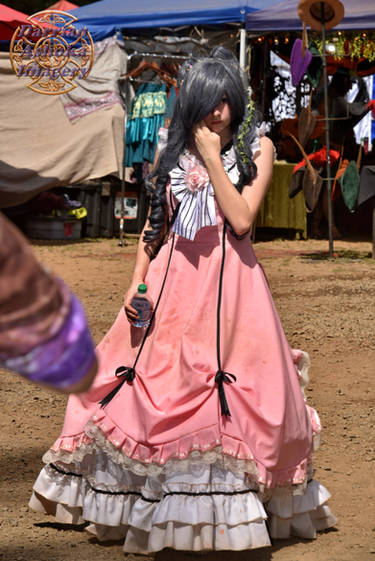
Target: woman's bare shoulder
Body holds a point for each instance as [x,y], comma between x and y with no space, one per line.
[266,149]
[266,143]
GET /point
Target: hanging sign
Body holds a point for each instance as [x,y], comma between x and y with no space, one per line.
[130,206]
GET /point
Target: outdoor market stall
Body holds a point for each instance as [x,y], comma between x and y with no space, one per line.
[275,30]
[89,142]
[104,18]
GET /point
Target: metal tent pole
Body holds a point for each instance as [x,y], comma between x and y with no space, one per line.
[243,47]
[122,241]
[329,184]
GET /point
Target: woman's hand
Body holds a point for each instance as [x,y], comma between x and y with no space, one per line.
[206,141]
[131,313]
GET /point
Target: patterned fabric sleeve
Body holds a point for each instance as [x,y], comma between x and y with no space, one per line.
[43,329]
[64,359]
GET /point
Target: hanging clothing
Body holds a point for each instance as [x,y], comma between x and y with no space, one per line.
[146,116]
[204,432]
[172,96]
[363,128]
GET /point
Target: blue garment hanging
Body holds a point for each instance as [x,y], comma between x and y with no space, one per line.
[146,116]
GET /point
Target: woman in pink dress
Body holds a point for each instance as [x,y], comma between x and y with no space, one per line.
[196,434]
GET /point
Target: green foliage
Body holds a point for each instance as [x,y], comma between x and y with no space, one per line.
[244,128]
[352,44]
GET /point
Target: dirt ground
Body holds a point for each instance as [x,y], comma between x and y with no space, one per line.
[327,309]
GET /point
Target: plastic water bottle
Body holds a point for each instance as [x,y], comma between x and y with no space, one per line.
[143,305]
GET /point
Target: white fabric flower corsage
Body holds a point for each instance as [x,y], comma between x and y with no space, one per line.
[196,176]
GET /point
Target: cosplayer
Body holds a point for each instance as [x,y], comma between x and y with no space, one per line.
[44,335]
[195,434]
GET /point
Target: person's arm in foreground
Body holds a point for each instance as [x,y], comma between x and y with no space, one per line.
[44,335]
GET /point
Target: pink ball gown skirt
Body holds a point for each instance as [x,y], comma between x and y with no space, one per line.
[160,466]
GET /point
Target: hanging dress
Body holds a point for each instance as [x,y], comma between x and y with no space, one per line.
[203,439]
[146,116]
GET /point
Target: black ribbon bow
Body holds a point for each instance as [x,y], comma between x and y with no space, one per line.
[128,375]
[220,378]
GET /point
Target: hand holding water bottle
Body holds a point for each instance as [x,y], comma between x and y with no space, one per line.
[138,306]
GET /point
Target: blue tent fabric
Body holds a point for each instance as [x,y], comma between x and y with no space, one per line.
[283,16]
[106,17]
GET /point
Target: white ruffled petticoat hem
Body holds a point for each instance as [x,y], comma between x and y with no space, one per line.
[207,508]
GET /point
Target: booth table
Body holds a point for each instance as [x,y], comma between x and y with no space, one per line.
[278,210]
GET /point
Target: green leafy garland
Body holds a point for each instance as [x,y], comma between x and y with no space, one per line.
[353,44]
[245,127]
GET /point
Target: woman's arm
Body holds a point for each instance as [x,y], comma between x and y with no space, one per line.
[144,253]
[255,192]
[142,261]
[240,209]
[44,335]
[145,250]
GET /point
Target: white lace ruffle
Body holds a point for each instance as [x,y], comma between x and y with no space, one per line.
[100,442]
[303,367]
[213,457]
[198,538]
[255,145]
[208,508]
[300,515]
[153,513]
[259,132]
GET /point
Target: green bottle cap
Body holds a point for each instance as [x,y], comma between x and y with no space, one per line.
[142,288]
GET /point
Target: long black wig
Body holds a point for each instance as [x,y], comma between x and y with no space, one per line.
[203,83]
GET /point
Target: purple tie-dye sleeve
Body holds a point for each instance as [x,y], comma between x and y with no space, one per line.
[64,359]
